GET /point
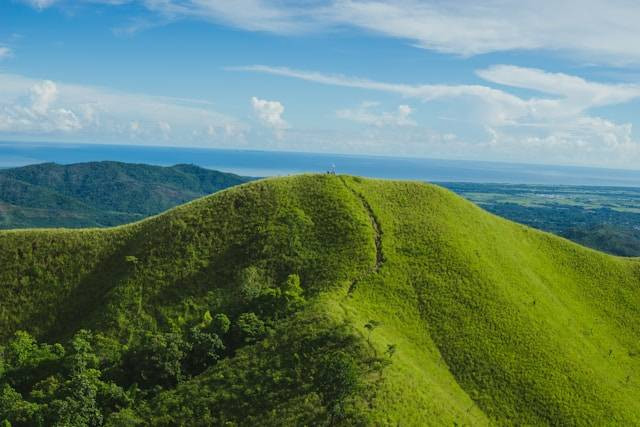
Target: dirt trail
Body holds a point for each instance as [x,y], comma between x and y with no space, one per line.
[377,230]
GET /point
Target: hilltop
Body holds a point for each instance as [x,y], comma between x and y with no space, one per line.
[317,300]
[99,194]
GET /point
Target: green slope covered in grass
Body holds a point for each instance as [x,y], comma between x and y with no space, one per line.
[418,308]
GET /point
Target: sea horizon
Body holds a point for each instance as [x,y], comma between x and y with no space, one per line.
[263,163]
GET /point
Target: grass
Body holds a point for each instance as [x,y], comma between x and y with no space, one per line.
[494,322]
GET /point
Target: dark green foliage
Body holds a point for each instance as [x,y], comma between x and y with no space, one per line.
[249,328]
[155,359]
[204,349]
[220,324]
[100,193]
[614,239]
[15,409]
[310,371]
[338,378]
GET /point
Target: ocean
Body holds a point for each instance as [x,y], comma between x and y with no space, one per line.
[276,163]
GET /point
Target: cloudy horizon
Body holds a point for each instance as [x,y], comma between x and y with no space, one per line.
[538,83]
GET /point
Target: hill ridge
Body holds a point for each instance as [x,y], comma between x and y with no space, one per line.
[452,315]
[99,193]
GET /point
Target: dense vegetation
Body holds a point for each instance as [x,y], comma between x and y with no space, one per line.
[316,300]
[99,193]
[603,218]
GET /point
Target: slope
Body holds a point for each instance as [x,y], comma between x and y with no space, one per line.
[447,314]
[100,193]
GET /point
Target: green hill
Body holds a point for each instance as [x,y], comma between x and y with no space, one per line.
[317,300]
[100,193]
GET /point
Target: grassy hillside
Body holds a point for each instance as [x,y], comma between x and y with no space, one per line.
[415,307]
[99,193]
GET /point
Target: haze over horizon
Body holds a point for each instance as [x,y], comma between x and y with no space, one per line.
[510,82]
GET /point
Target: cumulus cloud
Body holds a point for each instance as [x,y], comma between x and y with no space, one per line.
[270,114]
[42,95]
[365,113]
[41,108]
[37,115]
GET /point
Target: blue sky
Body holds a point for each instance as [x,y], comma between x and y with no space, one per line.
[543,81]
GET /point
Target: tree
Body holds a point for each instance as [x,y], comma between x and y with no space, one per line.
[220,324]
[79,406]
[81,355]
[205,348]
[20,349]
[124,418]
[206,319]
[251,283]
[155,359]
[337,380]
[15,409]
[292,292]
[249,328]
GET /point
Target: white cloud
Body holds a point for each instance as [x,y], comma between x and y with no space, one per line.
[590,93]
[364,114]
[31,108]
[422,92]
[43,95]
[601,30]
[604,29]
[40,4]
[5,52]
[165,129]
[500,107]
[37,115]
[550,125]
[270,114]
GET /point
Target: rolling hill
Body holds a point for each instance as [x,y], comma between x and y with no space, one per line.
[100,193]
[317,300]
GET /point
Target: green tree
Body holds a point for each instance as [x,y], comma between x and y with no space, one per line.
[155,359]
[205,348]
[292,292]
[79,406]
[250,283]
[220,324]
[81,355]
[249,328]
[124,418]
[16,410]
[20,349]
[337,379]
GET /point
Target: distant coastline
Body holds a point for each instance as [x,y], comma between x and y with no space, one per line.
[273,163]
